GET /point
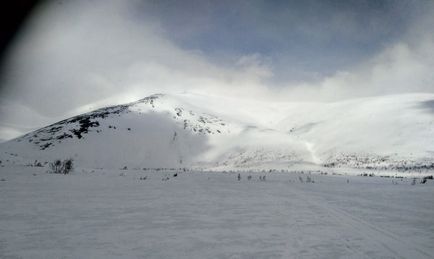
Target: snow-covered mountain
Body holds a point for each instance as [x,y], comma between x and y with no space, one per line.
[191,130]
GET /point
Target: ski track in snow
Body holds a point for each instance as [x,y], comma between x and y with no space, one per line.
[371,234]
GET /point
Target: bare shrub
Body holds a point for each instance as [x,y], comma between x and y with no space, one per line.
[300,179]
[61,167]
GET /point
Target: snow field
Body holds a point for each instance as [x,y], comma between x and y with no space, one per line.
[115,214]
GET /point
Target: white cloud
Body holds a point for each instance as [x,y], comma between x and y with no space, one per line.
[404,67]
[83,55]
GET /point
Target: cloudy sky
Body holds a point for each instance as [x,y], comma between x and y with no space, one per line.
[74,56]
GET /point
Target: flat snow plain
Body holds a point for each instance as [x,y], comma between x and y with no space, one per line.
[114,214]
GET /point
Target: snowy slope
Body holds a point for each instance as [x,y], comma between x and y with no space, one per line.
[153,132]
[391,131]
[191,130]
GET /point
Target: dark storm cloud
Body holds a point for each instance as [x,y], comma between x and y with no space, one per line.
[73,56]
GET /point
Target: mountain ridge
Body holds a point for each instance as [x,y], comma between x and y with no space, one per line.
[188,130]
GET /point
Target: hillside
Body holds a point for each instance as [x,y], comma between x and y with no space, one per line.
[210,132]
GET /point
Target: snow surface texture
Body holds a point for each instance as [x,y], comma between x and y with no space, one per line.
[220,133]
[118,214]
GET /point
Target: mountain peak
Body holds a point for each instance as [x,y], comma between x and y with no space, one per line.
[191,130]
